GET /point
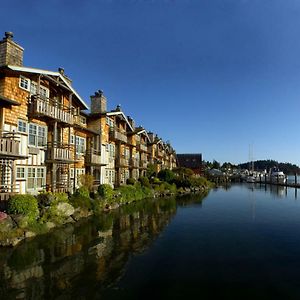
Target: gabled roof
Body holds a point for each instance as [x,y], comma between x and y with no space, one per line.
[49,73]
[141,130]
[192,161]
[116,113]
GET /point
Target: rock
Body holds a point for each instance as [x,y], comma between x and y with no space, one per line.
[50,225]
[65,209]
[6,224]
[29,234]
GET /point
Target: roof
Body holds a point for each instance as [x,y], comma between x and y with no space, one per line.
[7,102]
[191,161]
[49,73]
[115,113]
[141,130]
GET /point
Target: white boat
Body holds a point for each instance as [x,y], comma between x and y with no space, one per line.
[251,179]
[277,176]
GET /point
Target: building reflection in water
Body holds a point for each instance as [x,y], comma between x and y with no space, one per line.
[78,261]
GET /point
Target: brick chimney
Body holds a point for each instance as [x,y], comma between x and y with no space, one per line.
[98,103]
[10,52]
[131,122]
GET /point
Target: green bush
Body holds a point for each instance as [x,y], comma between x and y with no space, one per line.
[145,182]
[26,205]
[106,191]
[130,181]
[155,181]
[81,198]
[87,181]
[166,175]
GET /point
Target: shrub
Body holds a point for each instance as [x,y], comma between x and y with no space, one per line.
[87,181]
[26,205]
[81,198]
[155,180]
[130,181]
[106,191]
[145,182]
[166,175]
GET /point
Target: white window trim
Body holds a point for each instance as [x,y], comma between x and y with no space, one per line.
[36,188]
[21,87]
[26,126]
[36,136]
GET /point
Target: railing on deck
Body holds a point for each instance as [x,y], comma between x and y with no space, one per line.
[122,162]
[62,152]
[48,107]
[9,145]
[116,134]
[93,157]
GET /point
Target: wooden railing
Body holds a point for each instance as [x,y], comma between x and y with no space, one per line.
[78,120]
[142,147]
[51,108]
[143,164]
[93,157]
[122,162]
[134,163]
[116,134]
[60,152]
[9,146]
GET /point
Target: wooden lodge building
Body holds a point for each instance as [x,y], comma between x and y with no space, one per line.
[48,138]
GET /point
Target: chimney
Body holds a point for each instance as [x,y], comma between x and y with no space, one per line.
[98,103]
[10,52]
[151,136]
[62,72]
[131,122]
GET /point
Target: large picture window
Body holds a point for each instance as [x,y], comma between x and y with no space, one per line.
[80,145]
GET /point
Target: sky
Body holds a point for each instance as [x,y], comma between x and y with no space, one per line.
[210,76]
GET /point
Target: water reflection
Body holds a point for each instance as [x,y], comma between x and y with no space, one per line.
[80,260]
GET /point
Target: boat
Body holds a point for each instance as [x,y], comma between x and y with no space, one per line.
[277,176]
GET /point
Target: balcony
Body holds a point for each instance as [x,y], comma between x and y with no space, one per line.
[116,135]
[134,163]
[143,164]
[122,162]
[142,147]
[9,145]
[93,157]
[47,107]
[159,153]
[80,121]
[60,152]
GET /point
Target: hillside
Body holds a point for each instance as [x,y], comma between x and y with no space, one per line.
[261,165]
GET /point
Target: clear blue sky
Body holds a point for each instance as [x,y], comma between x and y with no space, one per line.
[211,76]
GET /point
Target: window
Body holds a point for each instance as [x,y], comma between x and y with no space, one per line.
[109,122]
[72,139]
[24,83]
[20,172]
[36,178]
[22,126]
[83,120]
[80,145]
[44,92]
[37,135]
[111,150]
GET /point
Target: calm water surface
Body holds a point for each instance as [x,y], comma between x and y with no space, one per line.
[237,243]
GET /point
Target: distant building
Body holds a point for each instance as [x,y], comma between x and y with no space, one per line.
[191,161]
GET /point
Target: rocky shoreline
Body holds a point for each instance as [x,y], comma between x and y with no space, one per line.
[15,228]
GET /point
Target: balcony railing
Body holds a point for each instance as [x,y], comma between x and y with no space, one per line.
[117,135]
[47,107]
[60,152]
[80,120]
[93,157]
[142,147]
[134,163]
[9,145]
[143,164]
[159,153]
[122,162]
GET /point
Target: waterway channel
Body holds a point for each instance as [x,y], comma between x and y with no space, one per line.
[239,242]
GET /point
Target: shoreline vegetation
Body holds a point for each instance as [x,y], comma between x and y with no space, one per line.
[28,216]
